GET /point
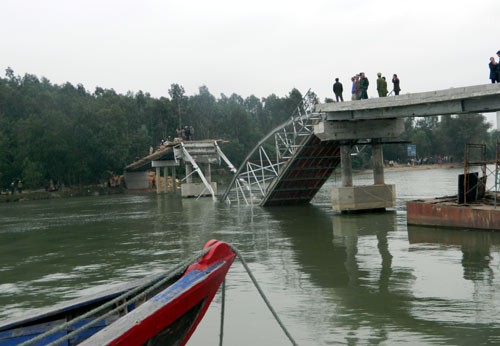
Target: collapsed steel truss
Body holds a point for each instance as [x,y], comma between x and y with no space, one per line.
[260,168]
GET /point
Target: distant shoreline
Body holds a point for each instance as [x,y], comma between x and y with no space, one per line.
[30,195]
[33,195]
[422,167]
[403,167]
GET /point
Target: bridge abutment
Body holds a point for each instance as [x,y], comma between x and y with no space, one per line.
[136,180]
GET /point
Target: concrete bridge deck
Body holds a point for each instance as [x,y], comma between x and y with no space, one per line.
[472,99]
[165,152]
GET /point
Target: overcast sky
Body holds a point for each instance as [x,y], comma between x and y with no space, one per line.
[257,47]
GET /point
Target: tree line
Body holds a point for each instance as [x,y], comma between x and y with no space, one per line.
[445,137]
[68,134]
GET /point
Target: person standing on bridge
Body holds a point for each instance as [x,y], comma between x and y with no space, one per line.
[353,88]
[381,85]
[338,89]
[180,134]
[498,67]
[494,71]
[363,86]
[187,133]
[395,82]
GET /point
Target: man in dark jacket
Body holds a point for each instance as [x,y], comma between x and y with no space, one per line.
[498,67]
[338,89]
[363,85]
[395,82]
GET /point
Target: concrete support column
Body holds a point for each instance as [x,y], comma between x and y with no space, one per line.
[158,179]
[165,179]
[174,180]
[208,173]
[346,165]
[189,169]
[378,162]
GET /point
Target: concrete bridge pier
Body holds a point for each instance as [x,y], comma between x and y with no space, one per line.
[348,197]
[189,173]
[377,162]
[346,164]
[165,179]
[195,189]
[158,165]
[158,179]
[378,196]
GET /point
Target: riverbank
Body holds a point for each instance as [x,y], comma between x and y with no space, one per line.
[404,168]
[32,195]
[424,167]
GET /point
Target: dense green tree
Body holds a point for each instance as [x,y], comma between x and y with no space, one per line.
[203,115]
[179,100]
[423,136]
[455,132]
[68,134]
[65,133]
[442,136]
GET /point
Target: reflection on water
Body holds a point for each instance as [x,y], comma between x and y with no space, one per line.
[353,279]
[478,247]
[348,228]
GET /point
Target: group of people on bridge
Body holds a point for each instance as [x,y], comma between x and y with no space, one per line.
[185,133]
[495,69]
[360,83]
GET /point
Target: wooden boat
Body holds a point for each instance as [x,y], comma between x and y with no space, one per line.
[160,310]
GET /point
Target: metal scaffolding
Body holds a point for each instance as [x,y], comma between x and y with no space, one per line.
[475,186]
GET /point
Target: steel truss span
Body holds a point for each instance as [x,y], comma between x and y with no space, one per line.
[288,166]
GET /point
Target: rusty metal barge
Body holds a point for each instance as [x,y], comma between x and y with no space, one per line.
[447,212]
[474,207]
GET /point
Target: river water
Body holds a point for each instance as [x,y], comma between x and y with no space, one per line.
[333,279]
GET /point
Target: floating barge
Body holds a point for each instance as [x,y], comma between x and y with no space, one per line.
[447,212]
[473,207]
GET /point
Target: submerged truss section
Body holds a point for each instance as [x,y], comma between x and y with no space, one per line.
[261,167]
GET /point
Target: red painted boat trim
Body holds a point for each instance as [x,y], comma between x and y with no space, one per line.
[155,315]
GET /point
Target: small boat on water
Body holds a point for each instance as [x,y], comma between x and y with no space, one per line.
[164,309]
